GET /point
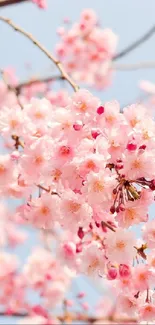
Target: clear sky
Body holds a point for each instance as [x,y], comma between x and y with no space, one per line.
[128,19]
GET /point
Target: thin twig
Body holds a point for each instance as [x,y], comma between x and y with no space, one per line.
[115,66]
[59,65]
[80,317]
[134,66]
[34,81]
[4,3]
[135,44]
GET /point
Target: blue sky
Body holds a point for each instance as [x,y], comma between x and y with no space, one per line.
[128,19]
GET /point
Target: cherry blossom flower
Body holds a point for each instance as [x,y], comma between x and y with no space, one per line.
[120,246]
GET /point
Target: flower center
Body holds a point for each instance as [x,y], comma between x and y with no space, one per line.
[65,150]
[90,165]
[120,245]
[56,174]
[74,206]
[39,160]
[44,210]
[2,169]
[13,123]
[133,122]
[38,115]
[130,214]
[142,277]
[136,164]
[83,107]
[98,186]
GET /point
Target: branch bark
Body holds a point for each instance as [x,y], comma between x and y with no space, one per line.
[4,3]
[31,82]
[59,65]
[134,66]
[135,44]
[71,317]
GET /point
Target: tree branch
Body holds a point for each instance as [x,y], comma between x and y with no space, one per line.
[134,66]
[59,65]
[4,3]
[68,318]
[135,44]
[115,66]
[31,82]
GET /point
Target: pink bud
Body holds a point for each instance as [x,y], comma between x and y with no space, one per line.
[122,207]
[8,312]
[119,166]
[81,233]
[143,147]
[15,155]
[131,146]
[82,26]
[69,303]
[81,295]
[66,20]
[112,209]
[39,310]
[124,271]
[48,277]
[77,126]
[85,305]
[69,249]
[79,248]
[112,273]
[152,185]
[100,110]
[95,133]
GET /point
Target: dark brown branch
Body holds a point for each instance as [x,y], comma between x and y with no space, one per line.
[135,44]
[68,318]
[59,65]
[7,314]
[4,3]
[34,81]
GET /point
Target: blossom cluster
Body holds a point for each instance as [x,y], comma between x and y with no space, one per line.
[87,168]
[86,50]
[41,3]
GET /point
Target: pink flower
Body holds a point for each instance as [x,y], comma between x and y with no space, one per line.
[134,213]
[147,86]
[34,159]
[39,264]
[143,277]
[44,211]
[41,3]
[54,294]
[85,103]
[120,246]
[98,187]
[127,303]
[151,258]
[134,114]
[136,164]
[92,260]
[11,121]
[74,210]
[9,265]
[147,312]
[8,172]
[149,233]
[38,111]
